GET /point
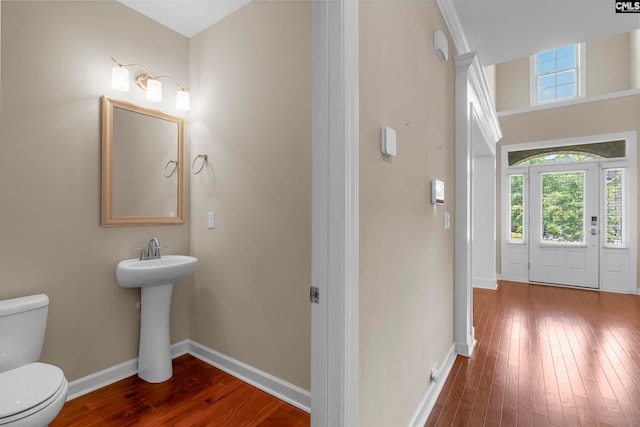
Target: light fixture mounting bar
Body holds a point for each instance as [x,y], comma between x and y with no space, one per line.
[141,80]
[148,82]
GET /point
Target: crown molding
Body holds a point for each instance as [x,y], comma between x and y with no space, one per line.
[467,61]
[448,11]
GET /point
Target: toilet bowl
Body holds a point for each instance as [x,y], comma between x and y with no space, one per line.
[31,395]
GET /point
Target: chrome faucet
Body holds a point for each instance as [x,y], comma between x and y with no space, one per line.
[153,250]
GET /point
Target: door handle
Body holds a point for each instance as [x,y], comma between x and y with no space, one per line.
[594,231]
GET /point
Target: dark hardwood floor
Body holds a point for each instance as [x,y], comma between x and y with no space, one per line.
[547,356]
[198,394]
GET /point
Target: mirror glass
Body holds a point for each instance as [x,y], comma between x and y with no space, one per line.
[142,165]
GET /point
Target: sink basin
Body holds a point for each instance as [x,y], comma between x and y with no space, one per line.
[133,273]
[155,278]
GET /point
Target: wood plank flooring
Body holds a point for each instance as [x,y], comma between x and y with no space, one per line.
[547,356]
[198,394]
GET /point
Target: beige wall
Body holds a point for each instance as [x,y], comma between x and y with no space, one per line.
[608,70]
[608,65]
[634,60]
[512,84]
[55,66]
[406,256]
[252,116]
[594,118]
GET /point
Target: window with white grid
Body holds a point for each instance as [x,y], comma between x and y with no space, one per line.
[557,74]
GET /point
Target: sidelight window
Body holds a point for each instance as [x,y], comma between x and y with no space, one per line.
[516,192]
[614,206]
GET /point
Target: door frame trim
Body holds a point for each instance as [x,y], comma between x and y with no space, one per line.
[630,162]
[334,247]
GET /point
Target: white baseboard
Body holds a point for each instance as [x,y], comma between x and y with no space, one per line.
[283,390]
[103,378]
[485,284]
[428,401]
[100,379]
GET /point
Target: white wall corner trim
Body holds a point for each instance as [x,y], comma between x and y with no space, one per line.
[103,378]
[428,401]
[450,16]
[334,247]
[266,382]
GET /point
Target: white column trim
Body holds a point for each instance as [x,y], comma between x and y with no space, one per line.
[462,234]
[474,109]
[481,96]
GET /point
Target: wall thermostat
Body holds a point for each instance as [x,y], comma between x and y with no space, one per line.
[437,192]
[388,141]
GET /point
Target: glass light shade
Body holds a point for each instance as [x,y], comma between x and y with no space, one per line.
[182,100]
[120,79]
[154,90]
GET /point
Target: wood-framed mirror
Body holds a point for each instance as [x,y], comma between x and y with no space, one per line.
[143,173]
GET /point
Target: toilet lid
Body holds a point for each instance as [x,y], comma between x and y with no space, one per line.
[27,386]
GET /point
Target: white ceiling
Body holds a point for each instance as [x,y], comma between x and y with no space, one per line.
[187,17]
[500,30]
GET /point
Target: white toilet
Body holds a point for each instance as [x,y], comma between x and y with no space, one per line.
[31,393]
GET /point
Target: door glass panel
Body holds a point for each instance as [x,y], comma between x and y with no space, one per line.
[563,207]
[614,206]
[516,225]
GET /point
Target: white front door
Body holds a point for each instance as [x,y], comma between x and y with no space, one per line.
[564,225]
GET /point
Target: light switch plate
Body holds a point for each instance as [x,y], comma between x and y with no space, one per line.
[437,192]
[388,141]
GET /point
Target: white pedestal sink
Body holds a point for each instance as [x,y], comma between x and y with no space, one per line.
[155,278]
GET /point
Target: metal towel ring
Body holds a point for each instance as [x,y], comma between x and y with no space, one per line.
[175,166]
[204,161]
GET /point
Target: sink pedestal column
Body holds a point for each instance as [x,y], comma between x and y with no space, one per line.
[154,355]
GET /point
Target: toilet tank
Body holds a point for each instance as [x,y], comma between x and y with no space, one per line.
[23,322]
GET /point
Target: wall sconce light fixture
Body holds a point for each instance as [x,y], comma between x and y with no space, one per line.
[149,82]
